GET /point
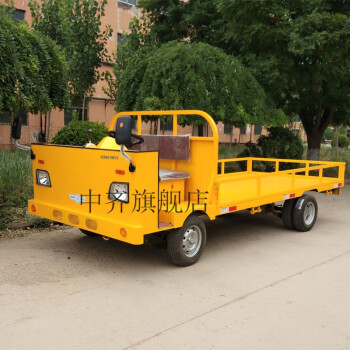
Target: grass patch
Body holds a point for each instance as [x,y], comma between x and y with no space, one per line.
[41,223]
[230,152]
[16,184]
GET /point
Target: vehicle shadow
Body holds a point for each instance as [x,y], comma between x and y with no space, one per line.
[226,231]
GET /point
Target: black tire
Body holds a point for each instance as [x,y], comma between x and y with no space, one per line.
[305,213]
[88,233]
[287,213]
[186,244]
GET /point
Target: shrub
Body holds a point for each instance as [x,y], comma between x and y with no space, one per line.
[281,143]
[251,150]
[75,133]
[343,141]
[328,134]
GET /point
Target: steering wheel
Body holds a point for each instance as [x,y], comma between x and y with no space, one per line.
[139,138]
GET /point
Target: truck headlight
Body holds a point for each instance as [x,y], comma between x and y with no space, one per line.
[119,191]
[43,178]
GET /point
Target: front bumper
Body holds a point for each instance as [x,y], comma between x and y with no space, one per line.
[97,224]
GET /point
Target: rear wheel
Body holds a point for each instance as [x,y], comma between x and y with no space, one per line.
[186,244]
[88,233]
[287,213]
[305,213]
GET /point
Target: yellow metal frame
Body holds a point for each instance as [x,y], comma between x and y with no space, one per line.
[174,113]
[310,165]
[76,170]
[262,188]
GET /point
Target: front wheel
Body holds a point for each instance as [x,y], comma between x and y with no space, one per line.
[186,244]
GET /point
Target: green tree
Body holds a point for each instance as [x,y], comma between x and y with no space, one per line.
[166,20]
[180,75]
[76,26]
[297,50]
[32,69]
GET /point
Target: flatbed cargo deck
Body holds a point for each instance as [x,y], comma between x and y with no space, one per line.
[248,188]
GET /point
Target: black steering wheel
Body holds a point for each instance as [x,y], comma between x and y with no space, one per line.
[139,138]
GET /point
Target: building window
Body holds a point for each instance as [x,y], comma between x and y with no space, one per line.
[257,129]
[19,15]
[200,130]
[129,2]
[5,117]
[228,129]
[243,130]
[75,111]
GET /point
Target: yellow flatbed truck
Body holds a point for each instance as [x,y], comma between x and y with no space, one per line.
[168,185]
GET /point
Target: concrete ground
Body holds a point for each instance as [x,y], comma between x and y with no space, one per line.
[257,286]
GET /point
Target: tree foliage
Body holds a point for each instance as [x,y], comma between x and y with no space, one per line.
[32,69]
[298,50]
[166,20]
[180,75]
[76,26]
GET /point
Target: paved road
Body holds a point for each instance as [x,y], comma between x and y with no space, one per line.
[257,286]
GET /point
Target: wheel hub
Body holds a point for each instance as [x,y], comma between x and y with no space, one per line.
[309,213]
[192,241]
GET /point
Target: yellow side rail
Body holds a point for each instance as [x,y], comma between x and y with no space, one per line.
[175,115]
[310,165]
